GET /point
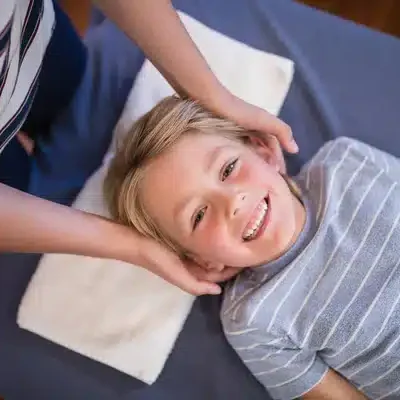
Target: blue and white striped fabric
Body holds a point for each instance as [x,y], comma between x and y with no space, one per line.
[25,30]
[337,303]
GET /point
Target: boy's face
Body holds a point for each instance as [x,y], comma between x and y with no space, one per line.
[221,201]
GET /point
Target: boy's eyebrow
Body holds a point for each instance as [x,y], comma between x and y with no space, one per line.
[213,156]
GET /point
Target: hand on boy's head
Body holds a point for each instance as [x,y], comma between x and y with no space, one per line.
[275,156]
[186,275]
[211,271]
[212,275]
[257,119]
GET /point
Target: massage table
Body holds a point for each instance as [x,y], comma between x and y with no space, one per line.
[345,83]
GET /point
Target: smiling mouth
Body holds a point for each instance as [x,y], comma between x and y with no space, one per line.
[258,222]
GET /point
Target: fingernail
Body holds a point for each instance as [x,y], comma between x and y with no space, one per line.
[293,146]
[215,290]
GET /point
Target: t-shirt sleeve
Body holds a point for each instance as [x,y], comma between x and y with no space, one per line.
[286,371]
[383,160]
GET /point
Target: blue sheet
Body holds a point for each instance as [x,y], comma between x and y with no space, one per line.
[346,83]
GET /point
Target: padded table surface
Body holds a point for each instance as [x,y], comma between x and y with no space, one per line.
[346,83]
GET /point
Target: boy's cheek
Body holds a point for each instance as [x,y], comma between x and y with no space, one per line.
[257,177]
[218,239]
[215,244]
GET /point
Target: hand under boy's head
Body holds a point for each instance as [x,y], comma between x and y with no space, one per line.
[203,186]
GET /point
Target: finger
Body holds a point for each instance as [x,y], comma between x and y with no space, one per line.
[282,131]
[216,276]
[256,118]
[226,274]
[277,157]
[26,142]
[171,268]
[182,277]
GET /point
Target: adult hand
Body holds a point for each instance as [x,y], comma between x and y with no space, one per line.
[185,274]
[274,132]
[156,28]
[33,225]
[212,275]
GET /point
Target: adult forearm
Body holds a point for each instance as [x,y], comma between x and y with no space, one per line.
[30,224]
[156,28]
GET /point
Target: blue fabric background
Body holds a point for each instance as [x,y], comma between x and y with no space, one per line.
[346,83]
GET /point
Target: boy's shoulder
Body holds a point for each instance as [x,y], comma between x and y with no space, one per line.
[338,150]
[237,301]
[244,302]
[346,148]
[337,160]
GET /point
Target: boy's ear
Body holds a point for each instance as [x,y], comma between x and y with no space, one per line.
[269,150]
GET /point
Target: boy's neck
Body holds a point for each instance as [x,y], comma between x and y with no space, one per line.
[300,218]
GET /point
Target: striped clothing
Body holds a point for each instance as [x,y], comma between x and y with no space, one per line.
[25,30]
[336,302]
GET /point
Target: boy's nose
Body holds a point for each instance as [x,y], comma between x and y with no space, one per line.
[236,201]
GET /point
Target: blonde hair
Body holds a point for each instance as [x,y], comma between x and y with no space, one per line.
[150,136]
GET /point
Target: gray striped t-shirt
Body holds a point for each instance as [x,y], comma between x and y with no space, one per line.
[334,299]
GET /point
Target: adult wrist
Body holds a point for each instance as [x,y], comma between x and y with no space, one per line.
[217,98]
[118,241]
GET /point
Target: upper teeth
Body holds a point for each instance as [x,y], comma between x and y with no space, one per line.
[262,209]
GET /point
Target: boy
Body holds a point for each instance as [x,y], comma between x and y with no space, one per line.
[314,312]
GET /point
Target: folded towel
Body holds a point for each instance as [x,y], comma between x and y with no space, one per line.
[110,311]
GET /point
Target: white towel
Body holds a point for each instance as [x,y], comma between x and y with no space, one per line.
[119,314]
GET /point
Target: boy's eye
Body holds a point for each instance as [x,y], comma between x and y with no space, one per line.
[228,170]
[199,216]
